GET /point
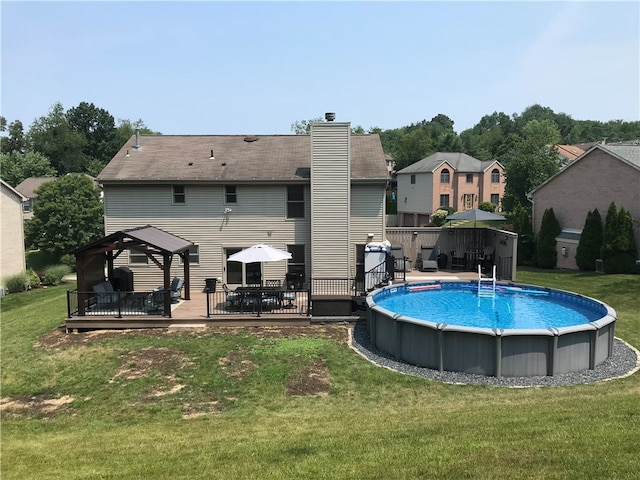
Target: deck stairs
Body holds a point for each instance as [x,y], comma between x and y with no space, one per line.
[484,289]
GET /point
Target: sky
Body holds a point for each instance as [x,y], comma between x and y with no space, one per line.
[242,67]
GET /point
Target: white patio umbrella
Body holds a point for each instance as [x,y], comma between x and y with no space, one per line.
[260,253]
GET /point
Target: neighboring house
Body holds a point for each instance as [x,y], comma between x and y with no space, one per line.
[12,256]
[446,179]
[603,174]
[568,153]
[28,189]
[320,196]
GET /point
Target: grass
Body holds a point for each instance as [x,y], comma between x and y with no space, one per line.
[373,423]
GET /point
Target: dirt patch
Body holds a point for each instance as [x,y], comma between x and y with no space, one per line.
[39,406]
[164,361]
[236,364]
[59,339]
[313,379]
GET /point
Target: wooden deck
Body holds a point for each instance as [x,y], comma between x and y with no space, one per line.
[193,313]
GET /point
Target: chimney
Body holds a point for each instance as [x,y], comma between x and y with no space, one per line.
[137,145]
[329,116]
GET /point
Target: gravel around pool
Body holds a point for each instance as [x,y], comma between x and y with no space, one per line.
[624,361]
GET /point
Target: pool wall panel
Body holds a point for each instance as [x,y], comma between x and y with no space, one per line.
[420,345]
[469,353]
[526,355]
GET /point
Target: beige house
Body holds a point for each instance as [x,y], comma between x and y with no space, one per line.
[27,189]
[320,196]
[603,174]
[446,179]
[12,256]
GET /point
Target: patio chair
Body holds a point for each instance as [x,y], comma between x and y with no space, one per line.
[105,296]
[428,259]
[176,289]
[233,299]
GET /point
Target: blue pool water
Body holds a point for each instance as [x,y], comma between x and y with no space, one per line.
[510,308]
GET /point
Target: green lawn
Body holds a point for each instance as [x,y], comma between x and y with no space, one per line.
[217,405]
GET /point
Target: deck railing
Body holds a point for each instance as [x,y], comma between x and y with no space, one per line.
[259,301]
[117,304]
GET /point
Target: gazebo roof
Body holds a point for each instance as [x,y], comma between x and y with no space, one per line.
[151,237]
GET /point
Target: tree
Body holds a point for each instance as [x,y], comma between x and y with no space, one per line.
[619,250]
[52,136]
[588,250]
[529,163]
[16,166]
[526,239]
[546,255]
[68,214]
[302,127]
[15,142]
[98,128]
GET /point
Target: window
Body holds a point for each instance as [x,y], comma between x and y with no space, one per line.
[230,194]
[296,264]
[444,200]
[413,179]
[137,257]
[469,177]
[495,176]
[295,201]
[194,255]
[444,176]
[495,199]
[26,206]
[179,195]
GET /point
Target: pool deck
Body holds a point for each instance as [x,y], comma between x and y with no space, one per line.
[192,314]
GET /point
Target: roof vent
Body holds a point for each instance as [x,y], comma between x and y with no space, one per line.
[329,116]
[250,138]
[137,145]
[212,157]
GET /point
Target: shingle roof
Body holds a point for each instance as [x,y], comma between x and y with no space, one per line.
[629,153]
[29,185]
[266,158]
[461,162]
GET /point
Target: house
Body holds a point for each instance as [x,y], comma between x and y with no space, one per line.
[568,153]
[27,189]
[603,174]
[320,196]
[12,256]
[446,179]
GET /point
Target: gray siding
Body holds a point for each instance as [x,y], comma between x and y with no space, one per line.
[367,216]
[258,217]
[330,199]
[419,195]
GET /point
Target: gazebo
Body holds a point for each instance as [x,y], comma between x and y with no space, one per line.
[158,245]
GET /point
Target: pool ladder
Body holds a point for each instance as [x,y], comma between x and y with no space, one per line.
[486,291]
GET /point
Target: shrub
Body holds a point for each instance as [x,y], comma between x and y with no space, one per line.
[17,283]
[439,217]
[619,247]
[70,261]
[488,206]
[33,278]
[546,255]
[54,274]
[590,242]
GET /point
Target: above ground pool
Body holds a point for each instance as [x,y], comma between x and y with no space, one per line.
[510,330]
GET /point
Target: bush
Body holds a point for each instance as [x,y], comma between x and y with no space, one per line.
[17,283]
[546,255]
[54,274]
[439,217]
[33,278]
[488,206]
[590,242]
[70,261]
